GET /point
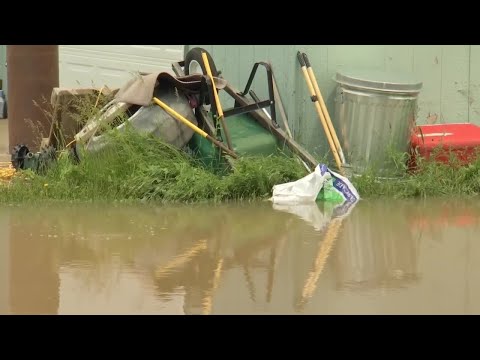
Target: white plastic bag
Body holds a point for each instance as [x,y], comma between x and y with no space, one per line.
[301,191]
[321,184]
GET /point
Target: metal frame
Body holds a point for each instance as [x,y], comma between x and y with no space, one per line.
[243,105]
[271,94]
[207,90]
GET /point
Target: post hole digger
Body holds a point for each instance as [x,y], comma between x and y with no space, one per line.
[324,117]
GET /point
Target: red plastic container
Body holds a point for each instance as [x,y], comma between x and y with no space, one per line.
[463,140]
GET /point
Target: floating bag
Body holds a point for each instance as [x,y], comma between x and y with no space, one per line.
[322,184]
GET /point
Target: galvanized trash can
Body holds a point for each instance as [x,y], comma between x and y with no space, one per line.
[374,115]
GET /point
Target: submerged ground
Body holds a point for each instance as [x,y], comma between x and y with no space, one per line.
[385,257]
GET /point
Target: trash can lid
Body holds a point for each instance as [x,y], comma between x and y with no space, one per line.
[379,80]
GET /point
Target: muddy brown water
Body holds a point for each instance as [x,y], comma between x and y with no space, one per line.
[384,257]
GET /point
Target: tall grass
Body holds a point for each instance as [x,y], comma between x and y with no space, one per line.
[138,167]
[429,179]
[142,167]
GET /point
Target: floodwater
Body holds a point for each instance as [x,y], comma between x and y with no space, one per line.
[383,257]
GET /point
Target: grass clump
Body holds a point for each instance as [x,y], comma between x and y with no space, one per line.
[430,178]
[142,167]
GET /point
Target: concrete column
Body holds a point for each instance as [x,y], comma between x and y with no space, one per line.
[32,72]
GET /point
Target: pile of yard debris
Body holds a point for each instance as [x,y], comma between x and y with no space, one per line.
[161,137]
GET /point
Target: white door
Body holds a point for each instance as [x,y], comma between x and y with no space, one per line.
[113,65]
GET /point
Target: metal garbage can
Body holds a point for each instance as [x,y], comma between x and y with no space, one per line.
[374,115]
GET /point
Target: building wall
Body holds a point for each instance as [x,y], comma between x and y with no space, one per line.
[112,65]
[450,75]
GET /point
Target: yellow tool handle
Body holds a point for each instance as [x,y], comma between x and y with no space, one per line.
[323,121]
[209,73]
[326,114]
[179,117]
[195,128]
[217,101]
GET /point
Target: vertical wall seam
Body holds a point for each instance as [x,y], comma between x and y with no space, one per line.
[469,80]
[413,58]
[441,82]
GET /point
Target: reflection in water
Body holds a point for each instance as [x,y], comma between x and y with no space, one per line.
[34,281]
[331,217]
[320,260]
[383,254]
[377,257]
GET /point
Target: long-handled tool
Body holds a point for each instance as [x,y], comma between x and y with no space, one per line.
[320,113]
[218,105]
[195,128]
[324,107]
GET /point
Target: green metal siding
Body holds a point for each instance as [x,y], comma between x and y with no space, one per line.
[450,75]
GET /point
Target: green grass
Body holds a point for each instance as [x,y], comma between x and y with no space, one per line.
[143,168]
[431,179]
[138,167]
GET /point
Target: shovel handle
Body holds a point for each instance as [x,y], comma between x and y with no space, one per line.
[210,75]
[218,105]
[195,128]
